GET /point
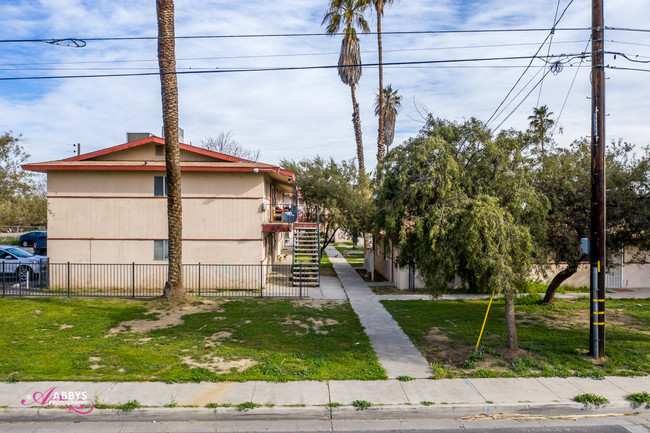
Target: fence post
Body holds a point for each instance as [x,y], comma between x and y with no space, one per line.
[133,278]
[68,279]
[300,280]
[4,277]
[261,278]
[199,278]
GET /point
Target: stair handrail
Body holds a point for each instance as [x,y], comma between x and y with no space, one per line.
[318,239]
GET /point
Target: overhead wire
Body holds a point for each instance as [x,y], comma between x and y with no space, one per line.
[553,29]
[457,47]
[274,69]
[548,51]
[557,120]
[280,35]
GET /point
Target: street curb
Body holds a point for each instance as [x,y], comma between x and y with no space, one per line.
[318,412]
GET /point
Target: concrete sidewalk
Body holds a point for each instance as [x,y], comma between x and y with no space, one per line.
[331,399]
[394,349]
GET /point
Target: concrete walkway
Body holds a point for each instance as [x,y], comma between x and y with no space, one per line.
[330,289]
[395,351]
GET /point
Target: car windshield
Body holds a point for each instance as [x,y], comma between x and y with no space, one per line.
[18,252]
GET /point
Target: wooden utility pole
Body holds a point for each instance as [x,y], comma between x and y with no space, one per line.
[597,243]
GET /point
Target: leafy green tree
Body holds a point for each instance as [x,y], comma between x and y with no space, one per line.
[22,197]
[13,180]
[348,15]
[332,187]
[564,177]
[459,204]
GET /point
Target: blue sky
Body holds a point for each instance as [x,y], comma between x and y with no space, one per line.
[298,114]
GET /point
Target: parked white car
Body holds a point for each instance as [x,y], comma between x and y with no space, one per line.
[19,264]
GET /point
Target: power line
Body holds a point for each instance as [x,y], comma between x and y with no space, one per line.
[625,29]
[523,100]
[557,121]
[260,56]
[552,31]
[548,51]
[76,40]
[627,69]
[284,68]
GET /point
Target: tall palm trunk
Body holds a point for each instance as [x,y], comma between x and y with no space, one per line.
[380,133]
[356,121]
[167,63]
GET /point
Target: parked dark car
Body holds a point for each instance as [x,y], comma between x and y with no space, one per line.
[28,239]
[40,245]
[19,264]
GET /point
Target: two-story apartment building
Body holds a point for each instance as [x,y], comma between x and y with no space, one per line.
[110,206]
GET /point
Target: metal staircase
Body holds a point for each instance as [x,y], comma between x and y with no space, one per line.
[306,254]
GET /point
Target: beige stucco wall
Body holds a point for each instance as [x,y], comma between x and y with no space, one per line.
[113,217]
[387,268]
[141,251]
[634,275]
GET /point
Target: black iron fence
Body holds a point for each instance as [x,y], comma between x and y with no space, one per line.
[134,280]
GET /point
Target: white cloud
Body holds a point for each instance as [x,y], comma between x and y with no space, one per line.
[297,114]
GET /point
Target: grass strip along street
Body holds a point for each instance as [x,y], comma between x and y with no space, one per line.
[205,340]
[553,339]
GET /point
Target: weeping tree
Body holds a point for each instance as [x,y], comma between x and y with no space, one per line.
[347,15]
[459,204]
[169,88]
[388,110]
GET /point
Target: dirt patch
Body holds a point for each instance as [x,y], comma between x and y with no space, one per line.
[564,321]
[316,303]
[65,326]
[435,337]
[314,324]
[95,360]
[167,318]
[219,337]
[220,365]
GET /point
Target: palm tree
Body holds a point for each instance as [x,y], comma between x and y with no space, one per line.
[348,15]
[167,63]
[391,105]
[379,8]
[540,122]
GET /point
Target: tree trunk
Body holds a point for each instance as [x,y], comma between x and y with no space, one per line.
[561,277]
[511,327]
[356,121]
[380,132]
[167,63]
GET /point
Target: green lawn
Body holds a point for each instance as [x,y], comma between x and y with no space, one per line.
[325,261]
[354,255]
[61,339]
[553,339]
